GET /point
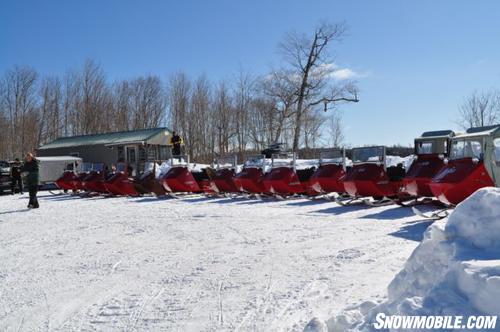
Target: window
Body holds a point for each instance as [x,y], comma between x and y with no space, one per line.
[471,148]
[131,157]
[142,153]
[424,148]
[74,154]
[332,156]
[496,143]
[121,154]
[370,154]
[434,146]
[152,152]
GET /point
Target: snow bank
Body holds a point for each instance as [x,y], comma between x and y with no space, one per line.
[454,271]
[391,161]
[396,160]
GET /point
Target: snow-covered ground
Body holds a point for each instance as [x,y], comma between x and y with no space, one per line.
[193,264]
[454,271]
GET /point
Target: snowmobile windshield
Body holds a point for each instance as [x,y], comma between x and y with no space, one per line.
[98,167]
[331,157]
[226,162]
[283,160]
[256,161]
[4,167]
[373,154]
[121,167]
[431,146]
[467,148]
[87,167]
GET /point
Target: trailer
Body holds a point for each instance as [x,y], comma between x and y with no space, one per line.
[53,168]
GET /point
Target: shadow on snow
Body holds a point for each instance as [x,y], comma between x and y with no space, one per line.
[339,209]
[391,214]
[413,230]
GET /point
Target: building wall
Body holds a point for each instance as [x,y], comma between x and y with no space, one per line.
[89,154]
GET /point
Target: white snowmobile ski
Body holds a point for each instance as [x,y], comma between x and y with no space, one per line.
[434,215]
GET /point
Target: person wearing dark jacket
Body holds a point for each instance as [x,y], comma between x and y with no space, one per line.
[31,167]
[15,173]
[176,142]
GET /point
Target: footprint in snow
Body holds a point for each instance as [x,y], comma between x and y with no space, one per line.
[348,254]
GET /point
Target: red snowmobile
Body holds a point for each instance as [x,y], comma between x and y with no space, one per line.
[75,182]
[68,181]
[285,178]
[250,179]
[120,183]
[431,149]
[147,183]
[182,179]
[329,177]
[221,176]
[94,181]
[474,163]
[372,176]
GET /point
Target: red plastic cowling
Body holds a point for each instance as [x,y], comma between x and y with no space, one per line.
[250,180]
[283,181]
[120,184]
[67,181]
[222,181]
[459,179]
[370,180]
[180,179]
[148,183]
[423,169]
[328,178]
[78,181]
[94,182]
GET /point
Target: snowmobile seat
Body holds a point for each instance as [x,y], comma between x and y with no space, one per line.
[305,174]
[201,175]
[396,173]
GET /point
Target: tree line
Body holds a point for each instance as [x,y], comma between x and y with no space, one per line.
[247,112]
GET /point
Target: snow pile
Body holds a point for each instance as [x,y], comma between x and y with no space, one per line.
[454,271]
[259,162]
[163,169]
[391,161]
[306,163]
[348,162]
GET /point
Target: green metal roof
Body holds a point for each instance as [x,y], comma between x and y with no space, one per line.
[133,136]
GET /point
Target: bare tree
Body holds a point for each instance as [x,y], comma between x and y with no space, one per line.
[50,126]
[480,109]
[311,67]
[223,117]
[122,108]
[335,130]
[201,125]
[243,94]
[148,102]
[281,90]
[179,89]
[18,102]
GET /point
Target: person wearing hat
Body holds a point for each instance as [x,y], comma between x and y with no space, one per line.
[31,167]
[15,174]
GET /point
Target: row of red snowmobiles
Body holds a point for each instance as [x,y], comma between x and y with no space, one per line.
[445,169]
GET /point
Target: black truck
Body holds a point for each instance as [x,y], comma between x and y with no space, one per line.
[5,179]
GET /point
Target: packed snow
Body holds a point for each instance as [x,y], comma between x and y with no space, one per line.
[194,264]
[454,271]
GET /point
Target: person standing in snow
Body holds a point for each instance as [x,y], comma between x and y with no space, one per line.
[15,173]
[176,142]
[31,167]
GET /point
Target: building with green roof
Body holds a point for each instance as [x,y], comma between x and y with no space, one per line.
[134,147]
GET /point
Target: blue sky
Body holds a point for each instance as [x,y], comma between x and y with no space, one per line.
[415,60]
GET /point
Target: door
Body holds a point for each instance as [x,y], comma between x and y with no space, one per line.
[131,158]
